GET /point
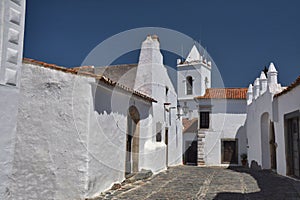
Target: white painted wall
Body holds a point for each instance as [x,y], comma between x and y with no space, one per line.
[51,157]
[260,105]
[255,110]
[71,136]
[107,143]
[152,79]
[8,115]
[282,105]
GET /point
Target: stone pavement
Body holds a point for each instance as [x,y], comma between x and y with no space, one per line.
[190,182]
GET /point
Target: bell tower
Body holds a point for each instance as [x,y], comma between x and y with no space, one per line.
[193,78]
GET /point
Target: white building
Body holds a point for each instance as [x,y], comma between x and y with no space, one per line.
[213,118]
[273,124]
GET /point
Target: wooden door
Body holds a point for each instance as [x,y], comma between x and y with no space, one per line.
[166,142]
[229,152]
[295,149]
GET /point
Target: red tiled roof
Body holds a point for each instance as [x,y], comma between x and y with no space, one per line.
[79,71]
[224,93]
[190,125]
[289,88]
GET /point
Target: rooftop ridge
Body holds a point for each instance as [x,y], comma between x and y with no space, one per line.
[75,71]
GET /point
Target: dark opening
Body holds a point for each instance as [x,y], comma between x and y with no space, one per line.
[229,152]
[204,119]
[189,85]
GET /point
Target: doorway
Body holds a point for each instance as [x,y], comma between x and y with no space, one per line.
[167,143]
[229,151]
[132,141]
[190,155]
[273,147]
[293,146]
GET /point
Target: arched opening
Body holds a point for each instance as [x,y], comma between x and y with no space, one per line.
[265,141]
[189,85]
[132,140]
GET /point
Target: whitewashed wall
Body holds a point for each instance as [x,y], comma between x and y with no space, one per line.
[152,79]
[8,113]
[282,105]
[259,106]
[260,115]
[50,160]
[107,143]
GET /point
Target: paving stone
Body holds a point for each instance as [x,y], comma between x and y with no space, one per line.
[192,182]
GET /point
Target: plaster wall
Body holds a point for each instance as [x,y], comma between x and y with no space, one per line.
[50,154]
[8,113]
[259,106]
[152,79]
[282,105]
[107,143]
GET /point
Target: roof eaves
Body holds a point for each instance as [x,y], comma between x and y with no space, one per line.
[289,88]
[88,74]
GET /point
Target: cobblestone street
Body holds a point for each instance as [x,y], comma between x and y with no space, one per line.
[189,182]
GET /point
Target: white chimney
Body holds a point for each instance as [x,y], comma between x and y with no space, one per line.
[249,94]
[272,75]
[263,83]
[256,88]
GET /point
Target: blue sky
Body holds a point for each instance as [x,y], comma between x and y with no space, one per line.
[241,36]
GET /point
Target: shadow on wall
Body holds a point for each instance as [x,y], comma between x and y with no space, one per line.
[109,100]
[263,184]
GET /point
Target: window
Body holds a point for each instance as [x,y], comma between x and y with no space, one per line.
[204,119]
[158,137]
[158,131]
[189,85]
[167,93]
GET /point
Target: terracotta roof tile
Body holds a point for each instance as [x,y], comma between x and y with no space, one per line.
[88,73]
[289,88]
[224,93]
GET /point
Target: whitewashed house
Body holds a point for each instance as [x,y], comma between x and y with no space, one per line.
[213,118]
[273,124]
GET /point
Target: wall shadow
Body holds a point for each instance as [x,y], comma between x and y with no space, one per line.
[269,184]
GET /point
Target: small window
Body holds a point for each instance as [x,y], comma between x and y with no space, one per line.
[158,137]
[204,119]
[158,131]
[189,85]
[167,90]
